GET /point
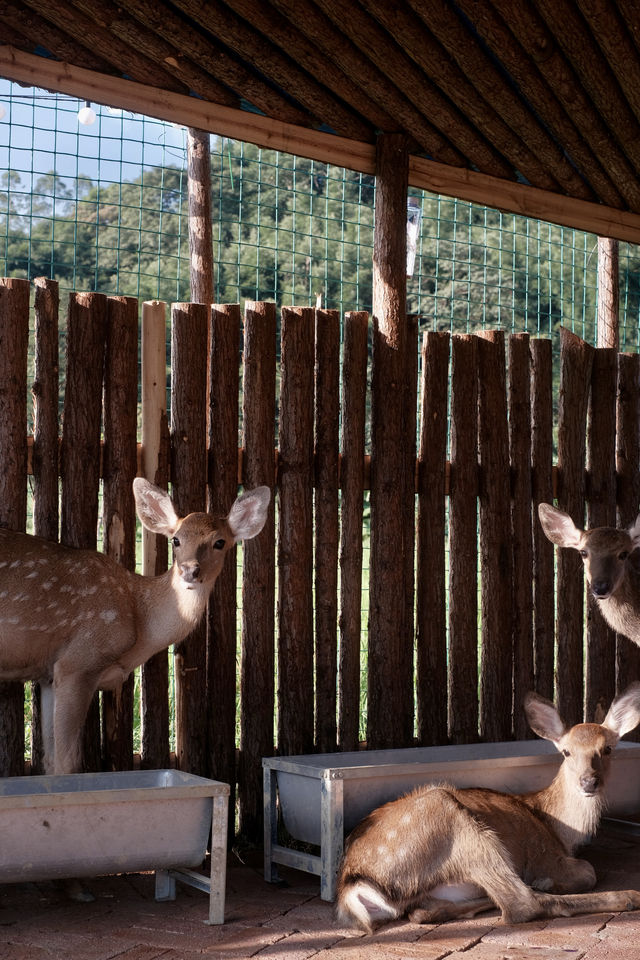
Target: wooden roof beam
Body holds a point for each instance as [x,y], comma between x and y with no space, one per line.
[356,155]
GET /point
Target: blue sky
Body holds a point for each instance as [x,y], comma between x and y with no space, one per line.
[40,133]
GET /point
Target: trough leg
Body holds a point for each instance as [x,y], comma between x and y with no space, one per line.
[165,885]
[220,815]
[270,823]
[331,832]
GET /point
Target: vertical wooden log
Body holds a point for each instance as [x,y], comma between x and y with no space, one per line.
[189,341]
[295,537]
[45,410]
[608,320]
[14,341]
[258,568]
[628,471]
[409,430]
[45,391]
[80,451]
[224,359]
[576,359]
[542,492]
[154,748]
[390,680]
[431,594]
[495,540]
[354,402]
[200,235]
[521,527]
[327,416]
[601,639]
[463,542]
[120,465]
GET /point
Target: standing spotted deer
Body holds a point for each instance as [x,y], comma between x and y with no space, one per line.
[611,564]
[78,622]
[441,852]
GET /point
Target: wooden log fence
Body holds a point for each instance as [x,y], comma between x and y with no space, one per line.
[289,671]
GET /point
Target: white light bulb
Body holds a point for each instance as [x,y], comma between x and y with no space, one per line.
[86,115]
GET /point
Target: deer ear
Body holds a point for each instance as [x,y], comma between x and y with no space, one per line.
[249,513]
[558,526]
[624,712]
[543,718]
[154,508]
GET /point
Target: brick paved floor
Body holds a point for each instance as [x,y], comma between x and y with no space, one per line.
[292,923]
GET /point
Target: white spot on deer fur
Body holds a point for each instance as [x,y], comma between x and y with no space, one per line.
[16,563]
[47,585]
[30,576]
[406,818]
[3,594]
[108,615]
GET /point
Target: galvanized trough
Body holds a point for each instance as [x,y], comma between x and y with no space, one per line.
[321,797]
[88,824]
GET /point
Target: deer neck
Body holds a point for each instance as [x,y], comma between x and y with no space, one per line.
[621,610]
[572,816]
[167,610]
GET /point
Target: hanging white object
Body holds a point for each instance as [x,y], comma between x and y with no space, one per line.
[86,115]
[414,220]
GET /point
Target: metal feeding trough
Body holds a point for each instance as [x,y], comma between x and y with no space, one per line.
[321,797]
[88,824]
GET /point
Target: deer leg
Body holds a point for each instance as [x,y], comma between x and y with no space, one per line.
[432,910]
[568,905]
[47,708]
[73,693]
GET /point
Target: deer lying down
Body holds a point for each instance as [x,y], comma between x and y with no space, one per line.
[440,852]
[611,565]
[78,622]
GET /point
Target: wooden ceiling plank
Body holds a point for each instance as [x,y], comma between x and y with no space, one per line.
[240,37]
[120,55]
[217,61]
[240,125]
[18,21]
[320,31]
[498,37]
[612,35]
[373,43]
[435,37]
[576,41]
[279,31]
[118,24]
[537,41]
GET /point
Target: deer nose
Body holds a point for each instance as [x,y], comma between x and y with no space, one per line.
[190,571]
[601,588]
[590,783]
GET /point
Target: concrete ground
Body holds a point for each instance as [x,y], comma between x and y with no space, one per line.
[291,922]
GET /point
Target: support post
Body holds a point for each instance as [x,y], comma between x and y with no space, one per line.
[608,320]
[200,237]
[390,693]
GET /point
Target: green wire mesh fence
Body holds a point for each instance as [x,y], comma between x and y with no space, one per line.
[103,207]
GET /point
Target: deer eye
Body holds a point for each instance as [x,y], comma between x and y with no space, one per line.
[175,541]
[623,555]
[219,545]
[607,751]
[566,753]
[583,553]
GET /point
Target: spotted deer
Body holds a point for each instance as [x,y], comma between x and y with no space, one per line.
[611,564]
[77,621]
[441,852]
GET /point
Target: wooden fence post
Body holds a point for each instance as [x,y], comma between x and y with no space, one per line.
[200,230]
[521,527]
[295,538]
[354,400]
[189,341]
[542,492]
[326,523]
[576,359]
[463,542]
[224,360]
[628,473]
[80,451]
[258,567]
[120,465]
[155,467]
[390,683]
[14,341]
